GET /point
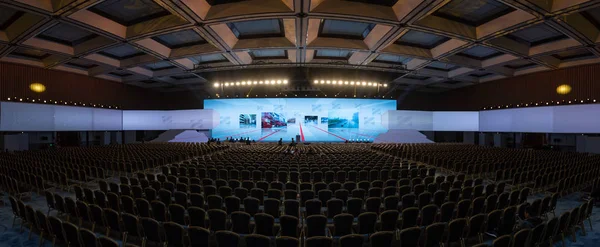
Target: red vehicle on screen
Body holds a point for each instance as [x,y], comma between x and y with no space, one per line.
[272,120]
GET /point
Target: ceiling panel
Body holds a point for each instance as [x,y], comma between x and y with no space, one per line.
[66,34]
[345,29]
[257,28]
[333,54]
[122,52]
[208,58]
[268,53]
[537,35]
[180,39]
[388,3]
[421,39]
[159,66]
[480,52]
[442,66]
[572,55]
[129,12]
[8,16]
[30,53]
[473,12]
[393,59]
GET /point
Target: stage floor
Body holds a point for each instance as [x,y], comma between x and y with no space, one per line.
[308,133]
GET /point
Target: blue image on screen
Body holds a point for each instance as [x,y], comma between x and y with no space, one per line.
[314,120]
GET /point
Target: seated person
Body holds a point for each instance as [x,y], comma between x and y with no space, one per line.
[531,220]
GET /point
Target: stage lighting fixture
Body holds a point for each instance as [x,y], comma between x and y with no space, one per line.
[216,84]
[316,81]
[328,82]
[370,84]
[227,84]
[237,83]
[244,83]
[285,81]
[278,81]
[322,82]
[260,82]
[255,82]
[364,83]
[334,82]
[346,83]
[385,85]
[351,83]
[375,84]
[272,82]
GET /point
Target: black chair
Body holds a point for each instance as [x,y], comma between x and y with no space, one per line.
[217,219]
[159,211]
[477,226]
[342,224]
[410,236]
[410,217]
[227,238]
[366,223]
[197,200]
[131,226]
[42,225]
[197,216]
[521,238]
[389,220]
[551,231]
[456,231]
[71,234]
[354,206]
[502,241]
[177,214]
[174,233]
[352,240]
[104,241]
[318,241]
[447,211]
[271,207]
[381,239]
[257,240]
[198,236]
[240,222]
[434,234]
[251,205]
[143,207]
[128,204]
[316,226]
[151,229]
[264,224]
[55,226]
[292,208]
[290,226]
[88,238]
[428,215]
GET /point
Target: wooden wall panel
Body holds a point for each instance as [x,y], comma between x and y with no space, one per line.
[15,80]
[526,89]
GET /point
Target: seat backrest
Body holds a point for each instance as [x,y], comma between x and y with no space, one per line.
[316,225]
[198,236]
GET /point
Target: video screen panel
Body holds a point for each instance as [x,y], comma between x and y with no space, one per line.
[318,120]
[533,120]
[17,116]
[456,121]
[166,120]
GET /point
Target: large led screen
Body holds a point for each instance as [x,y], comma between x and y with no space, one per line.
[319,120]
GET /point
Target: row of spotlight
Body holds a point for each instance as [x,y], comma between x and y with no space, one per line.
[59,102]
[549,103]
[351,83]
[250,83]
